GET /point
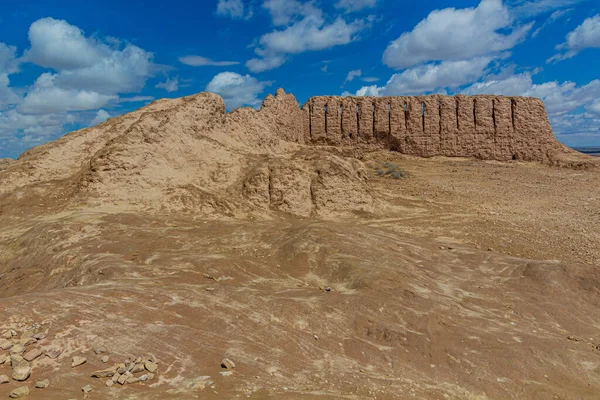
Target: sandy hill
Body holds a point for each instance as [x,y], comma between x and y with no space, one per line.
[183,235]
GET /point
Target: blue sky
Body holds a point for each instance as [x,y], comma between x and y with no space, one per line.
[67,64]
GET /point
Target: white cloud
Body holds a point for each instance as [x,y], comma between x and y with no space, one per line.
[87,63]
[8,59]
[100,117]
[594,107]
[429,78]
[170,85]
[372,90]
[555,16]
[237,90]
[456,34]
[355,5]
[58,45]
[266,63]
[310,33]
[283,12]
[530,8]
[135,99]
[586,35]
[7,94]
[199,61]
[351,75]
[369,79]
[46,98]
[235,9]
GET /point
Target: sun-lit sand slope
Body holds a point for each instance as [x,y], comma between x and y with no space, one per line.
[184,236]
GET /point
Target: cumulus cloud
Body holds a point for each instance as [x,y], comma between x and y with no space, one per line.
[47,98]
[283,12]
[8,59]
[100,117]
[456,34]
[351,75]
[199,61]
[234,9]
[309,33]
[355,5]
[170,85]
[237,90]
[586,35]
[7,94]
[429,78]
[87,63]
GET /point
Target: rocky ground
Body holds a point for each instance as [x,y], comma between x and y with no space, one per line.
[158,258]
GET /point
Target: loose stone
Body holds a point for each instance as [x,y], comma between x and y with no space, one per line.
[19,392]
[77,361]
[32,354]
[227,363]
[42,384]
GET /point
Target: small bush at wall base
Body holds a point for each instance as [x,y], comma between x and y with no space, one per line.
[391,170]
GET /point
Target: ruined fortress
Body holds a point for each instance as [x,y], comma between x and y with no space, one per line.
[482,126]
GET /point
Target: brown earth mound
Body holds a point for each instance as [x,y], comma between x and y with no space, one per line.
[182,252]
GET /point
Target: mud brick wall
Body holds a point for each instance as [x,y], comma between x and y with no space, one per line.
[485,126]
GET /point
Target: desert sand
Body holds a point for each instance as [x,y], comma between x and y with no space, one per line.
[187,253]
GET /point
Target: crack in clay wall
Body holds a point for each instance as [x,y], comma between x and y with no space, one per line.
[487,127]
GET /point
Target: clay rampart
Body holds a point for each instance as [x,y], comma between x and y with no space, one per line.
[483,126]
[486,127]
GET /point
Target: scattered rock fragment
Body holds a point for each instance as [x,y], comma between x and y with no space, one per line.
[42,384]
[143,378]
[4,379]
[21,370]
[39,336]
[5,344]
[151,366]
[27,341]
[105,373]
[17,349]
[227,363]
[99,350]
[109,383]
[121,368]
[6,335]
[53,353]
[86,389]
[137,368]
[105,359]
[32,354]
[77,361]
[19,392]
[123,378]
[5,359]
[226,373]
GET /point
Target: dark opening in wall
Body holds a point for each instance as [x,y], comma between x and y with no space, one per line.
[373,109]
[389,109]
[310,112]
[457,117]
[341,119]
[494,114]
[440,116]
[512,112]
[423,115]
